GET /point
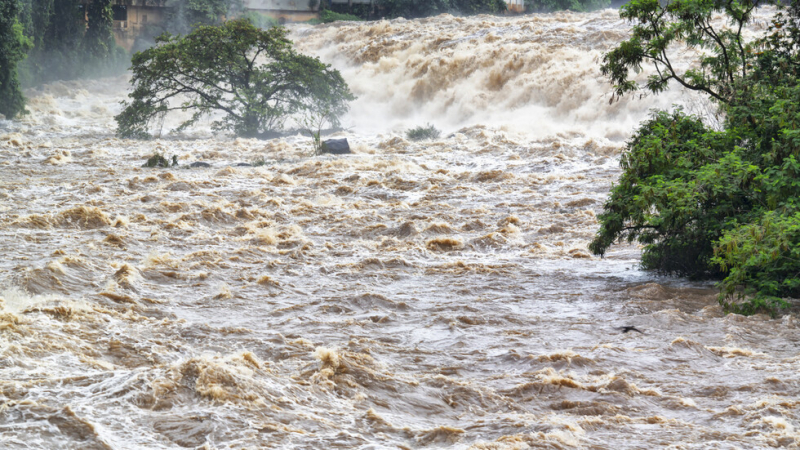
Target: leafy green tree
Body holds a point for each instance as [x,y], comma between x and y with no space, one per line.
[711,203]
[252,76]
[659,26]
[663,200]
[13,45]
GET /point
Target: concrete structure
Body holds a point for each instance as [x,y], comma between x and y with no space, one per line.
[285,10]
[517,6]
[131,17]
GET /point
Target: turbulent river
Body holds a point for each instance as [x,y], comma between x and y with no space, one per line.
[433,294]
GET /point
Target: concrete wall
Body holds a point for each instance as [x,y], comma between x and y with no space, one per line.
[140,13]
[285,10]
[288,16]
[281,5]
[516,5]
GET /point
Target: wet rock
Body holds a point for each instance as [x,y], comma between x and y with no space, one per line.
[200,164]
[444,244]
[243,164]
[622,386]
[336,147]
[179,186]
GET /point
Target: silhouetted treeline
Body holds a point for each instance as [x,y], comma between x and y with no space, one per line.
[74,39]
[572,5]
[411,9]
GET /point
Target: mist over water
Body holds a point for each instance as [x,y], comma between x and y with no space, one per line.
[436,294]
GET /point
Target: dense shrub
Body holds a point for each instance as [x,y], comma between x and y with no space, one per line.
[421,133]
[657,201]
[328,16]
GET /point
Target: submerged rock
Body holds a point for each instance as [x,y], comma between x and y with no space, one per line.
[199,164]
[336,147]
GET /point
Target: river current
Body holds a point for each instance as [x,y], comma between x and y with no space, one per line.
[433,294]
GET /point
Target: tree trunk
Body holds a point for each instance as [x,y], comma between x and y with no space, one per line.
[250,125]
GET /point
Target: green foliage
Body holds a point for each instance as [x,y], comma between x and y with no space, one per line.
[101,54]
[411,9]
[663,200]
[99,37]
[661,25]
[762,258]
[421,133]
[562,5]
[57,29]
[254,77]
[479,6]
[319,146]
[158,160]
[63,46]
[719,203]
[13,45]
[328,16]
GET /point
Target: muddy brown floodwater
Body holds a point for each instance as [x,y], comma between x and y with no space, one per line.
[435,294]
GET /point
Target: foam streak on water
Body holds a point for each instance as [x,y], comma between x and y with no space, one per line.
[413,295]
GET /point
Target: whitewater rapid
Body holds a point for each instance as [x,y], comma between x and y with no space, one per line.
[433,294]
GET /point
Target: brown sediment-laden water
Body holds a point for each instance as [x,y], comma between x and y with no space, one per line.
[433,294]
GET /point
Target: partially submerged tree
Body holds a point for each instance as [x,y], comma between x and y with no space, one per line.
[252,76]
[709,203]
